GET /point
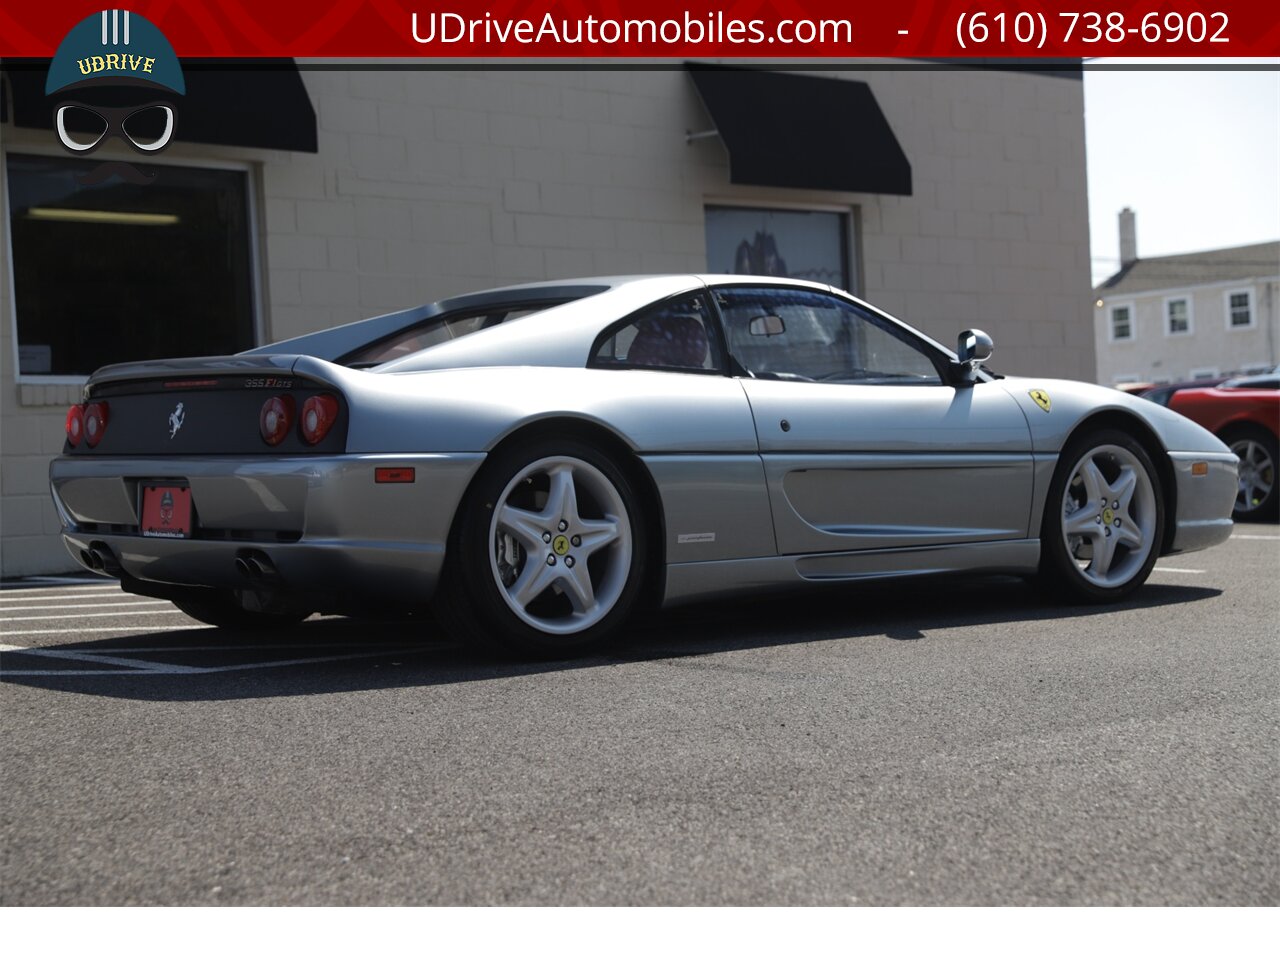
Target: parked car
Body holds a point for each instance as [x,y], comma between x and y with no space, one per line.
[1247,419]
[1161,392]
[1261,381]
[538,461]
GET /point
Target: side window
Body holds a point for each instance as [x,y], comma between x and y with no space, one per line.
[782,334]
[673,335]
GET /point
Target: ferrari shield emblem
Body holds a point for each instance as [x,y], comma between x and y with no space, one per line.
[1041,398]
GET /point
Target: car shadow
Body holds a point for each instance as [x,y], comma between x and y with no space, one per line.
[335,654]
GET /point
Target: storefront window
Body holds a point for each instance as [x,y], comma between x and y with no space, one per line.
[805,244]
[118,271]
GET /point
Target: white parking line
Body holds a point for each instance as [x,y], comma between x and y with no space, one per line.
[53,595]
[1254,536]
[75,581]
[51,592]
[138,628]
[242,646]
[108,661]
[1175,570]
[77,616]
[78,606]
[147,668]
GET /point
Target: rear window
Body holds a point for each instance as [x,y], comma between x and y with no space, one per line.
[441,329]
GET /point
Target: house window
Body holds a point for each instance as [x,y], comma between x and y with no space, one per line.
[1122,322]
[805,244]
[1177,312]
[114,271]
[1239,309]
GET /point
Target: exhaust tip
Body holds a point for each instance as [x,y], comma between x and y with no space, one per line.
[102,559]
[255,565]
[90,560]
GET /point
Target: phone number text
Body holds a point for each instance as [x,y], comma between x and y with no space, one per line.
[1033,28]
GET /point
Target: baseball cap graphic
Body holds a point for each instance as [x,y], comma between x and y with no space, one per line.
[116,46]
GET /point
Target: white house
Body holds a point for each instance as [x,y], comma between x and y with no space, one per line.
[1183,317]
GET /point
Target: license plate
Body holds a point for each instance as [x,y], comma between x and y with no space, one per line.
[166,511]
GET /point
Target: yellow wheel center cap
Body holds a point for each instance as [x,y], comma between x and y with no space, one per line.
[560,545]
[1108,516]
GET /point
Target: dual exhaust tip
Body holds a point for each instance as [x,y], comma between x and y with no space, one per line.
[255,565]
[250,564]
[100,558]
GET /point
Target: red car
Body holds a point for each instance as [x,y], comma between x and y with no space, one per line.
[1248,421]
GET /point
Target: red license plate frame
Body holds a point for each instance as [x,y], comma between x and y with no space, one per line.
[165,510]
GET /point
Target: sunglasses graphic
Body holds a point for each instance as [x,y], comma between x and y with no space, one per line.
[147,128]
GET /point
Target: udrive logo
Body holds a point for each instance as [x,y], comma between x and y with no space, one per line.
[126,55]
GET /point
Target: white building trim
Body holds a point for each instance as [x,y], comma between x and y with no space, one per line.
[1253,309]
[1129,305]
[1189,300]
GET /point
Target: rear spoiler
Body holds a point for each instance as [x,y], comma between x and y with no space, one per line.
[240,365]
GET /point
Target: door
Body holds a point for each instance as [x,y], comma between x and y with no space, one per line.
[864,444]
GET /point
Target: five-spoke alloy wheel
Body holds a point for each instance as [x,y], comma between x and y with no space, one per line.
[1256,448]
[549,553]
[1104,518]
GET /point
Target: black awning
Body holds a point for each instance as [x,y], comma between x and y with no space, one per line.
[812,133]
[240,103]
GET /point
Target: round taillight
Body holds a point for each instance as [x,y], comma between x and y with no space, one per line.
[318,415]
[95,422]
[275,419]
[75,424]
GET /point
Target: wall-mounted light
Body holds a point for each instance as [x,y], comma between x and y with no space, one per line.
[123,217]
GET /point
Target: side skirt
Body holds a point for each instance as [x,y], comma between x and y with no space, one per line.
[687,582]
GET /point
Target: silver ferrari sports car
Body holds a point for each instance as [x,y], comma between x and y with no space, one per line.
[537,462]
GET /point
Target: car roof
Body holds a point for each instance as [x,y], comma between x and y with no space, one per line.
[562,335]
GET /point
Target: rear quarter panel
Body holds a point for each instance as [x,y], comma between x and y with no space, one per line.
[474,409]
[694,435]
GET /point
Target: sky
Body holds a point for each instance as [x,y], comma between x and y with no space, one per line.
[1195,154]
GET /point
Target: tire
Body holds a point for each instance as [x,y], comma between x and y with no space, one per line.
[548,552]
[1256,448]
[221,609]
[1095,552]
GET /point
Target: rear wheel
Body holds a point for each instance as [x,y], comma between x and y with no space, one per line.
[221,608]
[1256,448]
[548,554]
[1103,520]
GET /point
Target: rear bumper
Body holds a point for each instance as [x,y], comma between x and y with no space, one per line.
[323,523]
[1204,503]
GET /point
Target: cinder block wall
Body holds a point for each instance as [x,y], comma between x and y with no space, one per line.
[432,183]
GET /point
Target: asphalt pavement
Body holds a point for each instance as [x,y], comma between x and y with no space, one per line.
[956,742]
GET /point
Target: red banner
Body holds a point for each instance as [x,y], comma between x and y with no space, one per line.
[699,29]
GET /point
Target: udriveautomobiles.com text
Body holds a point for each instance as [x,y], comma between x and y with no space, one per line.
[709,28]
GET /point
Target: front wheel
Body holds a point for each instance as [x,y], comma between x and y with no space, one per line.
[1103,519]
[548,554]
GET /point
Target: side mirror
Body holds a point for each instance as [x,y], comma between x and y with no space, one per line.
[973,349]
[766,326]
